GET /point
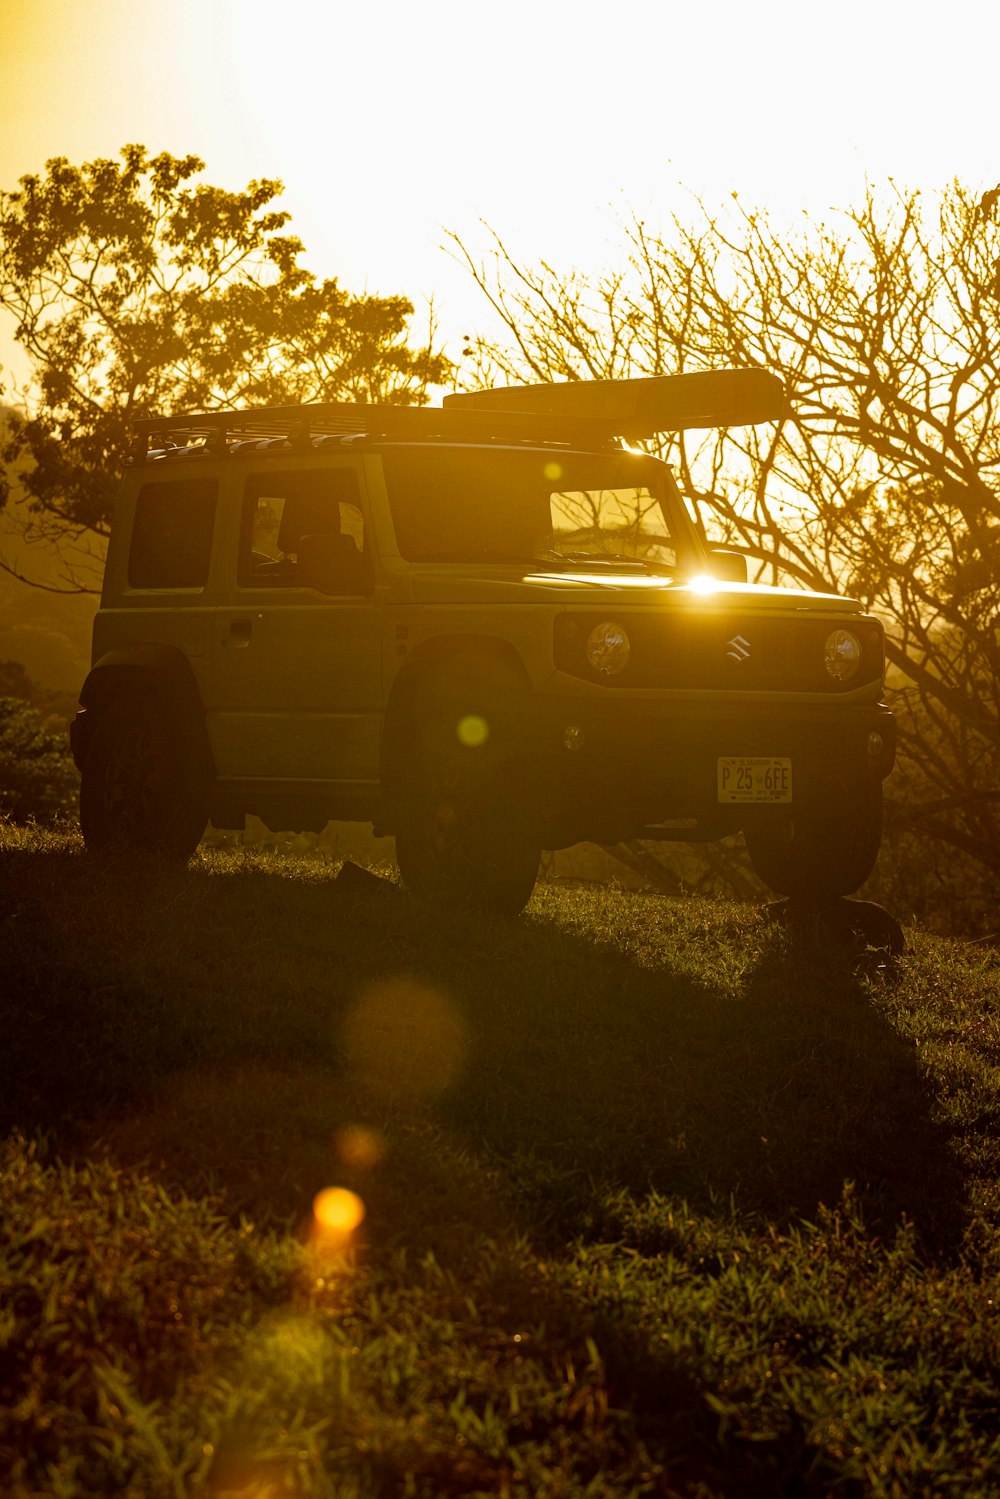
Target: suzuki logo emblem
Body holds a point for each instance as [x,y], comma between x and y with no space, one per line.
[739,649]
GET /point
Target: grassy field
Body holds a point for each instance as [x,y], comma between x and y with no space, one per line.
[659,1197]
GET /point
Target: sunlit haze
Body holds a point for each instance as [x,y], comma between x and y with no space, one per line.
[391,123]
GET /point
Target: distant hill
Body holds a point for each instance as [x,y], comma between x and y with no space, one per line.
[48,632]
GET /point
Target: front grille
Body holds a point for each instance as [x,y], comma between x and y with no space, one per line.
[731,652]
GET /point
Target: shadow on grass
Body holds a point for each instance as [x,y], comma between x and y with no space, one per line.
[775,1088]
[232,1022]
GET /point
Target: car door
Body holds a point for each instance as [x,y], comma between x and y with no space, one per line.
[296,663]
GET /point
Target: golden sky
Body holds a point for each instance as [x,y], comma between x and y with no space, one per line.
[392,120]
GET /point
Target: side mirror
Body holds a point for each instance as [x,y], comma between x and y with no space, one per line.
[333,564]
[727,566]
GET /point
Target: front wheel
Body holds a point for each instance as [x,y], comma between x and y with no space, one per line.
[817,857]
[463,833]
[133,790]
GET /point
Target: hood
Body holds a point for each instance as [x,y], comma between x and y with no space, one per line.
[601,589]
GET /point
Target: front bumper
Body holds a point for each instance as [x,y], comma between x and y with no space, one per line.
[607,769]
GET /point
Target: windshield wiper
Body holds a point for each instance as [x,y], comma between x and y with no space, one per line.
[608,559]
[477,554]
[551,559]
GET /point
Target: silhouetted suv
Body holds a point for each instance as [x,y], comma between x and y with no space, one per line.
[489,628]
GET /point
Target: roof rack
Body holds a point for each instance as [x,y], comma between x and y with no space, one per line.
[300,425]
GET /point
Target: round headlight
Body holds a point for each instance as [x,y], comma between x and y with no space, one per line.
[608,649]
[842,655]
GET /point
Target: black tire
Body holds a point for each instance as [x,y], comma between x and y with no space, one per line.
[465,834]
[820,857]
[133,790]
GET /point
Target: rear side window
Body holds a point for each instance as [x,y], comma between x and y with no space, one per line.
[172,534]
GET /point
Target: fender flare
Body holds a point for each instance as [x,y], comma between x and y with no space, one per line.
[166,672]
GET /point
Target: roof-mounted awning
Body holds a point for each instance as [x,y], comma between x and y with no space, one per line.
[643,407]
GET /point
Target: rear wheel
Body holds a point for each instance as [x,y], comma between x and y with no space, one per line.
[464,831]
[133,790]
[820,857]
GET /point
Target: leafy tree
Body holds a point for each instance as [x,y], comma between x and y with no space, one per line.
[884,479]
[38,780]
[55,706]
[138,290]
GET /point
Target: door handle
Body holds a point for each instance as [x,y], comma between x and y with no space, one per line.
[240,631]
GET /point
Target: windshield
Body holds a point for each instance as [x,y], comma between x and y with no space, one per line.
[453,504]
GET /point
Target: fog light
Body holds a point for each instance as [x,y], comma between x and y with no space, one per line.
[573,737]
[875,746]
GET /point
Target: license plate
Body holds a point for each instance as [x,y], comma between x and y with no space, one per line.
[755,778]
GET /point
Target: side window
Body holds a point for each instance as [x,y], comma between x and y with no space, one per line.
[172,534]
[280,510]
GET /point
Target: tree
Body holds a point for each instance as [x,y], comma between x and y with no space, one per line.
[38,780]
[139,291]
[56,707]
[884,479]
